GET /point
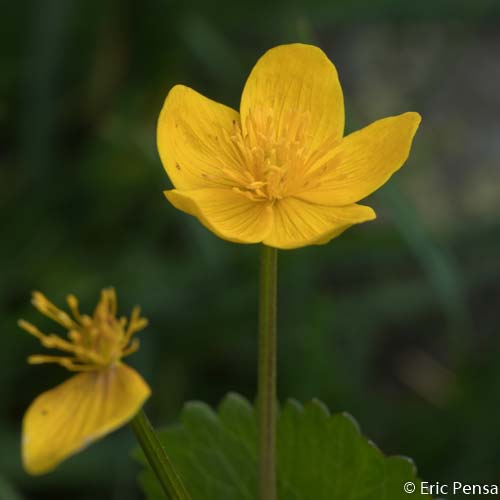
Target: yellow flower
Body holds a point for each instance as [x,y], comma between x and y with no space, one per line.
[279,171]
[103,396]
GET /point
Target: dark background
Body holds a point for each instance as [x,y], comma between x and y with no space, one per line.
[395,322]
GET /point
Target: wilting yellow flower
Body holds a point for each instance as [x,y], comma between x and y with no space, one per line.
[279,171]
[105,395]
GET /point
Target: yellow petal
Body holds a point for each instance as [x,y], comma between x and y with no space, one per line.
[192,138]
[365,160]
[226,212]
[64,420]
[298,223]
[296,80]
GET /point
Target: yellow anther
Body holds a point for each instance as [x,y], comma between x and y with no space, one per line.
[94,342]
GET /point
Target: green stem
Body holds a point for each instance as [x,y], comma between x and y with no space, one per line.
[267,372]
[157,458]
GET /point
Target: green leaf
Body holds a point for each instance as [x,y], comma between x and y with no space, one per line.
[320,456]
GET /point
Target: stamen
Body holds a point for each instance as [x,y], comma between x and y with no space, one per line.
[134,346]
[51,341]
[73,305]
[38,359]
[275,161]
[112,301]
[93,342]
[136,324]
[268,156]
[68,363]
[50,310]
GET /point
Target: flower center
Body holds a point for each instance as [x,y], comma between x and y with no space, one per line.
[274,155]
[94,342]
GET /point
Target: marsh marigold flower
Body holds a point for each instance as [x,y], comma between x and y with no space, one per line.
[102,396]
[280,171]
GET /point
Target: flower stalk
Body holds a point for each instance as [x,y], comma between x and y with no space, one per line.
[267,372]
[158,459]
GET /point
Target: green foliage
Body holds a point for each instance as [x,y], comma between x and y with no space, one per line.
[7,491]
[320,456]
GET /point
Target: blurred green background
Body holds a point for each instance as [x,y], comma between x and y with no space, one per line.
[395,322]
